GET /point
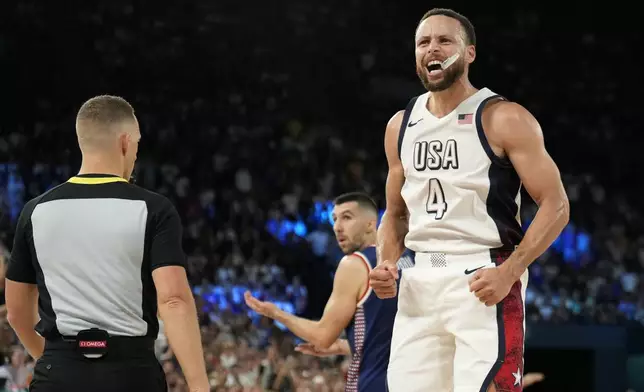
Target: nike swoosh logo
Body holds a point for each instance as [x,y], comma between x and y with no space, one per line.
[469,271]
[411,124]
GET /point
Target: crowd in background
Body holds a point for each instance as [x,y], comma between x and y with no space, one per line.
[251,134]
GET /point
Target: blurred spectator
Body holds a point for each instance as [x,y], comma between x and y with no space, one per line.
[17,373]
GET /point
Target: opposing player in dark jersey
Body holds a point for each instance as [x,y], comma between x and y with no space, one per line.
[367,320]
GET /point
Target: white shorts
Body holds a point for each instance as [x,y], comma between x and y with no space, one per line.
[445,339]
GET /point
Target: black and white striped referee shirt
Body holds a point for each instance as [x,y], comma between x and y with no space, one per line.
[91,245]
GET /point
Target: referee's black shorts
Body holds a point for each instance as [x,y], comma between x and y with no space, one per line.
[130,366]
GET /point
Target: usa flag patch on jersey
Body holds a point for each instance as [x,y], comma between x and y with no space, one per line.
[464,119]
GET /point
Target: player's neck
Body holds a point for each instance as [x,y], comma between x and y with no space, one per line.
[370,241]
[441,103]
[96,164]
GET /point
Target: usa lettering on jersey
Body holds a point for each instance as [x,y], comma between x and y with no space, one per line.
[436,155]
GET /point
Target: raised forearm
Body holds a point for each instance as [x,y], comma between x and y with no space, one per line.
[310,331]
[551,218]
[391,236]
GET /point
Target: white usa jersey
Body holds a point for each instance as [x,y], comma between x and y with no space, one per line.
[462,197]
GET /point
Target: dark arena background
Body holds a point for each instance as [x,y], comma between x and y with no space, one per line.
[255,115]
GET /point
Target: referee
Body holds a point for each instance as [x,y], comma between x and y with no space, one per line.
[92,261]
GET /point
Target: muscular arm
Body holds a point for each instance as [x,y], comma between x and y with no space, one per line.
[520,136]
[22,314]
[176,303]
[348,285]
[21,290]
[395,221]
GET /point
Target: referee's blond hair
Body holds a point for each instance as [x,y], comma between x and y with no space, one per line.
[101,117]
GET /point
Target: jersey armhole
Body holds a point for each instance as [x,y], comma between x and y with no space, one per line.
[367,290]
[403,125]
[503,162]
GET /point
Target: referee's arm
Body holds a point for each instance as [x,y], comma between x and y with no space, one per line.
[21,291]
[175,301]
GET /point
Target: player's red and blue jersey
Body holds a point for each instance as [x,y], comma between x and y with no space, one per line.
[369,333]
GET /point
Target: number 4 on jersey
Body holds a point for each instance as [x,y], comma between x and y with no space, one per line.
[436,199]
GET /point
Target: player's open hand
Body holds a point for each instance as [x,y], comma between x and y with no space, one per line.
[491,285]
[205,388]
[532,378]
[382,280]
[309,349]
[264,308]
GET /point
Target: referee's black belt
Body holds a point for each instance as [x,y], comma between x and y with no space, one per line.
[112,347]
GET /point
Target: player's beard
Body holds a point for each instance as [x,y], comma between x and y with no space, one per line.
[450,75]
[353,244]
[351,247]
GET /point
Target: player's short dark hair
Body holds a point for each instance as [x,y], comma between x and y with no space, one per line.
[363,200]
[467,26]
[106,110]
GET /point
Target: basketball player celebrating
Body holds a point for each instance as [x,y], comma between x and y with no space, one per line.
[457,158]
[367,319]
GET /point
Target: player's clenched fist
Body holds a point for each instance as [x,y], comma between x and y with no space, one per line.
[492,285]
[383,280]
